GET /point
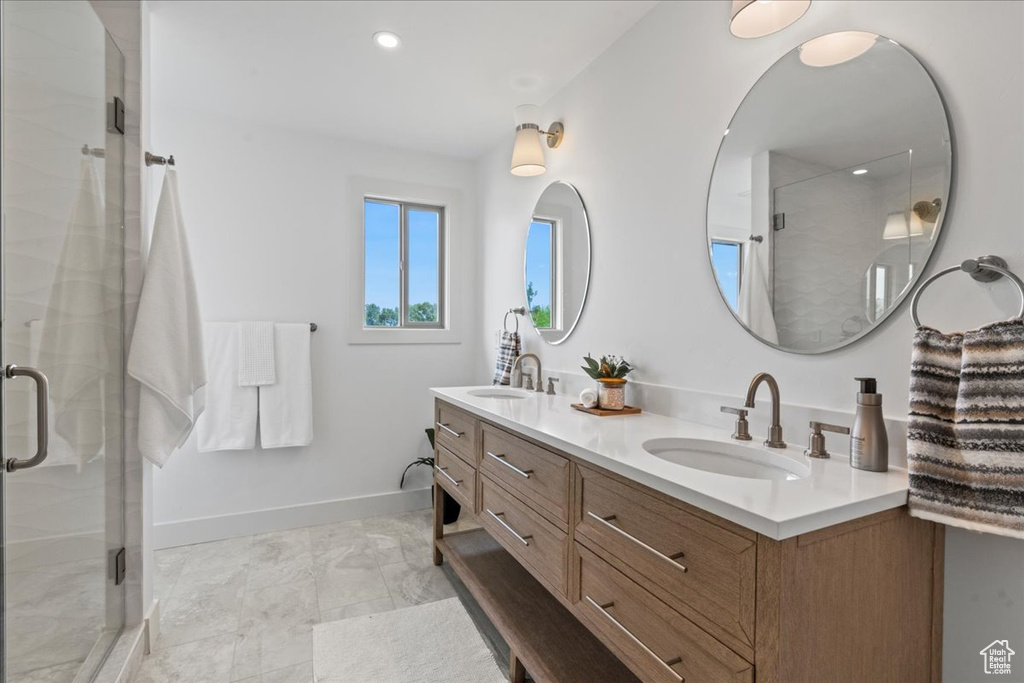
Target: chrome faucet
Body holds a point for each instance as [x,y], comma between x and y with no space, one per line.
[774,439]
[529,384]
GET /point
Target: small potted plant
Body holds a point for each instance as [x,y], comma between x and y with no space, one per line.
[610,373]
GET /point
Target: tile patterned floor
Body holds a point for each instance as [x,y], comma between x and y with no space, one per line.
[244,609]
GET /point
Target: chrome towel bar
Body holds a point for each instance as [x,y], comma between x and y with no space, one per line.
[982,269]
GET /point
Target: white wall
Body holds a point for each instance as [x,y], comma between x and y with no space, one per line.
[643,124]
[268,218]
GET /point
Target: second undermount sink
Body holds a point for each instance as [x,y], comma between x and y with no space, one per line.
[498,392]
[729,459]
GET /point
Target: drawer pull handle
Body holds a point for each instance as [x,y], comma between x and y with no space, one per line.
[457,435]
[606,521]
[525,540]
[603,609]
[441,471]
[500,457]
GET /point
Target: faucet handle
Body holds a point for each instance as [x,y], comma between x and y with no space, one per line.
[551,385]
[528,379]
[816,447]
[742,432]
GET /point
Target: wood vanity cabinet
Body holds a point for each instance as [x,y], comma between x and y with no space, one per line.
[654,589]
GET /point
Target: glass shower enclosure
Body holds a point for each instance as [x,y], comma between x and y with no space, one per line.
[62,350]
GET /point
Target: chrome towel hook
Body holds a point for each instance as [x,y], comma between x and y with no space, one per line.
[983,269]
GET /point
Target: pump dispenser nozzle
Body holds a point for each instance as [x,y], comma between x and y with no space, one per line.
[868,385]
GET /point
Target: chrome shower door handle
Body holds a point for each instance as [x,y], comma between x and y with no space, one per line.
[42,416]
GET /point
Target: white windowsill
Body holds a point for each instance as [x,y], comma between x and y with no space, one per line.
[399,335]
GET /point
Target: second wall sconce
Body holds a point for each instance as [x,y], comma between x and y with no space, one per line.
[527,152]
[757,18]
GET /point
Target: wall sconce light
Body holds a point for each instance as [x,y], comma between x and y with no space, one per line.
[527,153]
[836,48]
[896,226]
[757,18]
[928,211]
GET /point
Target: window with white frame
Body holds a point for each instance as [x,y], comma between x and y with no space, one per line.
[404,270]
[542,273]
[727,260]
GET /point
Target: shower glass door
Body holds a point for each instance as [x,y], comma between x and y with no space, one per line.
[62,261]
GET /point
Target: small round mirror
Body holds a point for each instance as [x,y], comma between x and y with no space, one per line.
[829,192]
[557,262]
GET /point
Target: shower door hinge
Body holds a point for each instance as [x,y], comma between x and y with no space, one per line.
[779,222]
[119,566]
[115,116]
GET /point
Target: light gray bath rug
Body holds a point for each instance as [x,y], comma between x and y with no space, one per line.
[432,643]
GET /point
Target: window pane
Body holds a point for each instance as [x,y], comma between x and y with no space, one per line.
[881,291]
[539,273]
[382,227]
[725,257]
[424,230]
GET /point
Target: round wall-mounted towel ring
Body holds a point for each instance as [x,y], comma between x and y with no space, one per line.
[513,311]
[982,269]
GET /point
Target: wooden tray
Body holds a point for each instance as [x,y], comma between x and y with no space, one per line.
[628,410]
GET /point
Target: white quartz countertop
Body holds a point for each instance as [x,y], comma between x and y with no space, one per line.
[833,492]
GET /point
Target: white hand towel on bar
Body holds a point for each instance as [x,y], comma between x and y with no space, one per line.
[255,354]
[229,423]
[286,407]
[167,346]
[78,342]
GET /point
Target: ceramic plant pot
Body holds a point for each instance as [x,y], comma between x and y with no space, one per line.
[611,394]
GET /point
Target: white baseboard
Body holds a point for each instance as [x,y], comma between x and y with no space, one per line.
[152,621]
[204,529]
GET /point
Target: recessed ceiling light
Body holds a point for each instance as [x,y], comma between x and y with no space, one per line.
[387,39]
[860,171]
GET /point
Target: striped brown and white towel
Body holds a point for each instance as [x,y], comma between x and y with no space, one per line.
[509,347]
[965,437]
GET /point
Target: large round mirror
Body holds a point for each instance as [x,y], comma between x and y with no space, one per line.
[557,262]
[829,192]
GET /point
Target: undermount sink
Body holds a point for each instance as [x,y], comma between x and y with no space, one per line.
[498,392]
[729,459]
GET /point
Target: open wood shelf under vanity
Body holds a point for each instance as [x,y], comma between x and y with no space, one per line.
[552,643]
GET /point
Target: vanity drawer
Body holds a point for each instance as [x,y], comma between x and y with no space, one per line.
[702,569]
[542,547]
[655,641]
[456,431]
[535,473]
[457,478]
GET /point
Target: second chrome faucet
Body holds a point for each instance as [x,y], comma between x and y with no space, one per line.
[529,380]
[774,439]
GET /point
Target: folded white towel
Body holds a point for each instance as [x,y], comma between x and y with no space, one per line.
[229,423]
[79,344]
[286,407]
[167,346]
[255,354]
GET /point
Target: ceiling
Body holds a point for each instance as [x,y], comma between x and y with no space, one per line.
[312,65]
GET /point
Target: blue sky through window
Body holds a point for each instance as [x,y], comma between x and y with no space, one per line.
[383,257]
[538,262]
[725,257]
[383,253]
[423,259]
